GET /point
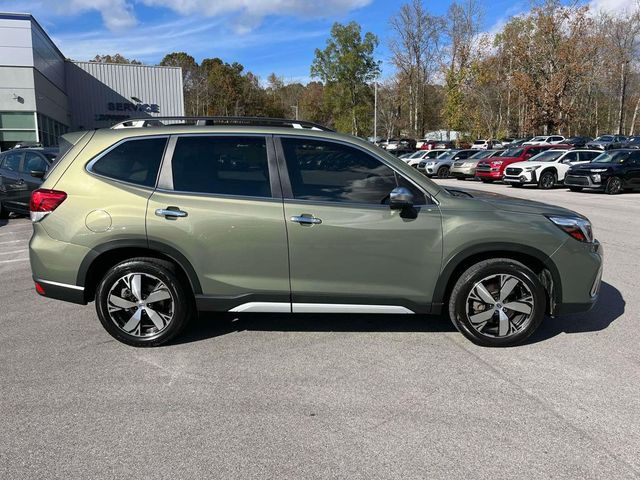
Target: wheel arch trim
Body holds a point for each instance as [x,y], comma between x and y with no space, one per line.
[152,246]
[496,250]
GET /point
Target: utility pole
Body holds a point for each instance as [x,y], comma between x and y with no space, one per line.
[375,111]
[295,107]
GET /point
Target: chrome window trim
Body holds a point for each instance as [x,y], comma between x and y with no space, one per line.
[426,194]
[89,165]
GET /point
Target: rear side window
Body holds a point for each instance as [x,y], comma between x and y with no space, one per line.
[134,161]
[11,161]
[221,165]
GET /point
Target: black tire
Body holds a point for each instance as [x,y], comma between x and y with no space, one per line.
[4,213]
[613,186]
[575,189]
[460,298]
[547,180]
[181,298]
[443,172]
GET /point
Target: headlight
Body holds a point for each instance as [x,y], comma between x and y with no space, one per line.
[598,170]
[430,164]
[578,228]
[530,169]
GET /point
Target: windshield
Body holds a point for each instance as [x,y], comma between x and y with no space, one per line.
[417,154]
[512,152]
[604,138]
[614,157]
[538,139]
[548,156]
[482,154]
[446,155]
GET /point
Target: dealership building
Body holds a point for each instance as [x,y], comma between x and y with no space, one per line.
[44,95]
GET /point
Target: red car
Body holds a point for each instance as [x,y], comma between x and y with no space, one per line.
[492,169]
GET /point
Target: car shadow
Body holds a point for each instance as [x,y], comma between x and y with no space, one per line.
[210,325]
[610,306]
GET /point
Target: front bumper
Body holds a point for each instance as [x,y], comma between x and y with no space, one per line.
[580,267]
[492,174]
[583,181]
[522,178]
[463,172]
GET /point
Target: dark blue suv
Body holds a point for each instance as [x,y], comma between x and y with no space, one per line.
[613,172]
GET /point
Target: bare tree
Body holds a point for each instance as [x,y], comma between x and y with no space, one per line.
[415,47]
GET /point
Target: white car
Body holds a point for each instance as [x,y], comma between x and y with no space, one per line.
[414,159]
[545,140]
[547,168]
[486,145]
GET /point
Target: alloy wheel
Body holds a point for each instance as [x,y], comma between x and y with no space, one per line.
[614,186]
[140,305]
[500,305]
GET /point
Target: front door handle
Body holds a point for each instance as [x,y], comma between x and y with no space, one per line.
[170,212]
[306,219]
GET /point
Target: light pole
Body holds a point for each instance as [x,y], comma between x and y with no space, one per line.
[375,111]
[295,107]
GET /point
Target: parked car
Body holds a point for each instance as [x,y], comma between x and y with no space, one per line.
[463,169]
[545,140]
[632,142]
[436,145]
[414,159]
[152,234]
[400,145]
[486,145]
[21,172]
[576,142]
[518,142]
[440,166]
[613,172]
[492,169]
[547,168]
[607,142]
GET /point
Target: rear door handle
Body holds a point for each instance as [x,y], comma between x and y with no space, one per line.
[170,212]
[306,219]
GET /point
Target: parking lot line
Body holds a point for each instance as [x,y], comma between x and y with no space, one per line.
[15,260]
[14,252]
[11,241]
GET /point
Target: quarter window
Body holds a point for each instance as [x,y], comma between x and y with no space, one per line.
[134,161]
[221,165]
[332,172]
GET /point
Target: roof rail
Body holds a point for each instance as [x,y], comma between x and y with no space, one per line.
[234,121]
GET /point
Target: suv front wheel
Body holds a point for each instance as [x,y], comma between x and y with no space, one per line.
[142,302]
[497,303]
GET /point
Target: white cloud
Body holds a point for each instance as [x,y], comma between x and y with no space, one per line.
[119,15]
[614,7]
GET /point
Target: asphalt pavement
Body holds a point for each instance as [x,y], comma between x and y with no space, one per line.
[273,396]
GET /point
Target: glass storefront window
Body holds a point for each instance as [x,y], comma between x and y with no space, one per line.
[17,120]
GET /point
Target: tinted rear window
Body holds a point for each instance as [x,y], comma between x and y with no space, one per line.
[134,161]
[221,165]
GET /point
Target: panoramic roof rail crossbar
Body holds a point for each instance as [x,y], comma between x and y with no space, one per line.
[234,121]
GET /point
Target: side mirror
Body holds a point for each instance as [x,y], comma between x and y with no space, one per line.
[400,197]
[37,173]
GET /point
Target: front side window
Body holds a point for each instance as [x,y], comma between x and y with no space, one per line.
[34,163]
[134,161]
[332,172]
[221,165]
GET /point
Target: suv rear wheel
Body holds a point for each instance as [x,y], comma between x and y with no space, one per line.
[142,302]
[497,303]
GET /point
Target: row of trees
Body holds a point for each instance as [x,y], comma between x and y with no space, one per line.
[556,69]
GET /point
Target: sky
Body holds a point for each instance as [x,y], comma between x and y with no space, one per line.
[264,35]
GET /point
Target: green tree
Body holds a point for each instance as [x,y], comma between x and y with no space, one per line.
[117,58]
[192,80]
[346,66]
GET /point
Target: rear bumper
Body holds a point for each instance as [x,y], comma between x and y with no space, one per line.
[61,291]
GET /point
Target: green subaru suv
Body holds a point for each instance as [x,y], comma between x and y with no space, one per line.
[155,221]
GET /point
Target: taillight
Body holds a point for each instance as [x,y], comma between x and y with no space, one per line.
[43,202]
